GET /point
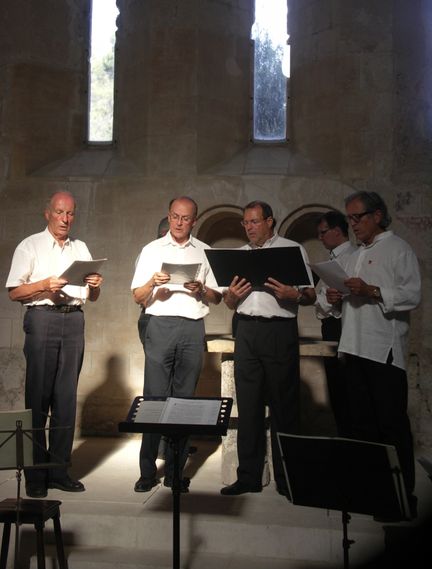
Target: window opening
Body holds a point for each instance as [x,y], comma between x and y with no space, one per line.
[101,71]
[271,70]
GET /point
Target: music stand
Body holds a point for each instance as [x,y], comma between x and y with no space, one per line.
[174,433]
[345,475]
[16,453]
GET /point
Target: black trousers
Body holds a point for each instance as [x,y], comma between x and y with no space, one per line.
[54,350]
[378,398]
[331,331]
[266,368]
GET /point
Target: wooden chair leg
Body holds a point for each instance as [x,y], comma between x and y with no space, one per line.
[5,545]
[40,545]
[62,561]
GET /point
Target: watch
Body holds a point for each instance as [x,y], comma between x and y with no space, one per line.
[376,293]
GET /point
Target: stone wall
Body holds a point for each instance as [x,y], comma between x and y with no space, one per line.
[182,111]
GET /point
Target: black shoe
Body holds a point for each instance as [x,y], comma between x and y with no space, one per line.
[67,484]
[36,489]
[239,488]
[184,484]
[145,484]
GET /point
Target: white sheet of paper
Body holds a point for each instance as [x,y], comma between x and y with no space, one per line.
[332,274]
[78,270]
[149,412]
[180,274]
[191,411]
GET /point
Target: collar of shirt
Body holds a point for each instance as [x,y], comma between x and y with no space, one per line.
[268,243]
[377,239]
[168,240]
[52,241]
[334,253]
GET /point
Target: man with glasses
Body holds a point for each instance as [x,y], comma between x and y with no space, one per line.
[333,233]
[384,287]
[266,357]
[174,336]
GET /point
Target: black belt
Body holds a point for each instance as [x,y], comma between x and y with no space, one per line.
[56,307]
[264,318]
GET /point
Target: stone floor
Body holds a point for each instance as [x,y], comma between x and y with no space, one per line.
[110,526]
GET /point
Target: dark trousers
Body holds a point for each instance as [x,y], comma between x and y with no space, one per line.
[266,368]
[331,331]
[54,349]
[378,398]
[174,348]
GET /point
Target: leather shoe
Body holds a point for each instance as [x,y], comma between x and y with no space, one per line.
[36,489]
[145,484]
[184,484]
[238,488]
[67,485]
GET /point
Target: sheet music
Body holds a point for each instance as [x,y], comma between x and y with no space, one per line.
[181,273]
[149,412]
[78,270]
[332,274]
[191,411]
[179,411]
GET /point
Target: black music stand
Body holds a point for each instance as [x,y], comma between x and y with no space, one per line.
[174,433]
[346,475]
[16,453]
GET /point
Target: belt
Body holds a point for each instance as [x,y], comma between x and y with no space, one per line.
[264,318]
[56,307]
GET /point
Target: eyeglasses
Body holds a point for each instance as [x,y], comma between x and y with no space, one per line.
[356,217]
[324,231]
[177,217]
[253,222]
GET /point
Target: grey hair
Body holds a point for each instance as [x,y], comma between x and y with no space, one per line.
[372,202]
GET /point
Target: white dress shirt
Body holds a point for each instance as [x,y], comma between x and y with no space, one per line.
[261,303]
[370,329]
[39,256]
[166,250]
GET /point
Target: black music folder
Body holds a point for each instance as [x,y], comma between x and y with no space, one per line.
[285,264]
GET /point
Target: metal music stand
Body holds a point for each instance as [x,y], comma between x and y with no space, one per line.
[345,475]
[174,433]
[16,453]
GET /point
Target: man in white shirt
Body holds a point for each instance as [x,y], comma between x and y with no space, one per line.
[54,342]
[266,357]
[174,336]
[385,286]
[333,233]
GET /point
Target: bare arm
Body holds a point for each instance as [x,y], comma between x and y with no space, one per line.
[35,291]
[143,293]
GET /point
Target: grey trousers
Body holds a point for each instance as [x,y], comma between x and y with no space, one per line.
[174,348]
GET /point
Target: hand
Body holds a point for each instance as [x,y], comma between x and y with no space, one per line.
[53,284]
[162,294]
[194,286]
[93,280]
[357,286]
[333,296]
[282,291]
[238,289]
[160,279]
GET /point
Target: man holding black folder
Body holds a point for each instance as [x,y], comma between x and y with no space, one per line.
[266,356]
[54,341]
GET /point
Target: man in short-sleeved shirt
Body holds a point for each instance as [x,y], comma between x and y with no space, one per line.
[174,336]
[54,341]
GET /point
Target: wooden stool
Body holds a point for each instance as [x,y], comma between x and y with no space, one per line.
[35,512]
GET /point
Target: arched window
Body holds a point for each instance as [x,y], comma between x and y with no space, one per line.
[271,71]
[101,75]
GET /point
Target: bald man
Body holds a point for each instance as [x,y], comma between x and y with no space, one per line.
[54,339]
